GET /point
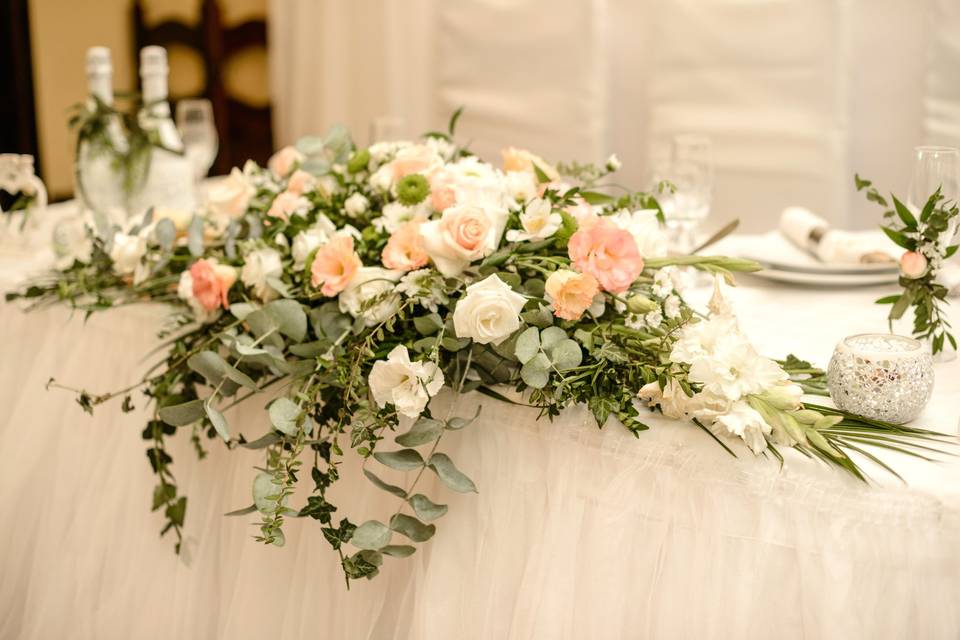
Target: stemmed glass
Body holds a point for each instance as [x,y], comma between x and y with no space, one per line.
[690,170]
[387,129]
[199,134]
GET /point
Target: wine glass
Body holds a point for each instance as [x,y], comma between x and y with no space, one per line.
[387,129]
[199,134]
[690,171]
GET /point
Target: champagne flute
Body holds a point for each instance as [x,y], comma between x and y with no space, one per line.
[690,170]
[199,134]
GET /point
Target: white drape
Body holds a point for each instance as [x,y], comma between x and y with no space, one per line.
[796,94]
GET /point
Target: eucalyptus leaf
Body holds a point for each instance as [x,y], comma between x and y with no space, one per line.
[528,345]
[404,459]
[242,512]
[263,441]
[566,354]
[264,486]
[217,420]
[426,509]
[240,310]
[195,236]
[455,424]
[179,415]
[424,430]
[398,550]
[412,528]
[429,324]
[385,486]
[443,466]
[290,317]
[552,336]
[536,373]
[310,349]
[372,535]
[166,233]
[284,415]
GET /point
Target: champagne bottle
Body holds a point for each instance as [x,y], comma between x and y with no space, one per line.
[98,176]
[169,179]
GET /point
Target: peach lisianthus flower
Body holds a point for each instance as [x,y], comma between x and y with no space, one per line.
[286,204]
[522,160]
[404,250]
[608,253]
[301,182]
[571,293]
[211,283]
[284,161]
[334,265]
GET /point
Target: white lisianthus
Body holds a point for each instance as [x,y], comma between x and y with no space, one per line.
[228,198]
[538,220]
[406,385]
[645,228]
[463,234]
[367,285]
[126,252]
[356,205]
[521,185]
[260,266]
[742,420]
[304,243]
[489,312]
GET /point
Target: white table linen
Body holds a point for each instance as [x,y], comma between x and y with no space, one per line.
[576,532]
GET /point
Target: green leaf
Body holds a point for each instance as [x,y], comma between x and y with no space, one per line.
[182,414]
[385,486]
[242,512]
[542,177]
[166,233]
[240,310]
[536,373]
[290,318]
[429,324]
[596,198]
[404,459]
[452,126]
[905,216]
[566,355]
[426,509]
[888,299]
[424,430]
[860,182]
[412,528]
[264,486]
[284,415]
[898,238]
[217,420]
[162,494]
[398,550]
[455,424]
[443,466]
[372,535]
[902,304]
[528,345]
[263,441]
[552,336]
[177,511]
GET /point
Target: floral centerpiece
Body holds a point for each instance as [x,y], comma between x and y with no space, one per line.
[361,281]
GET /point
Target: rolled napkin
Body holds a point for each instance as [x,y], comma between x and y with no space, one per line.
[813,234]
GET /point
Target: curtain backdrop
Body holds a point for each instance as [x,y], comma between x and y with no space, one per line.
[797,95]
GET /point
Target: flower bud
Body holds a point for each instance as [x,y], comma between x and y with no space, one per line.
[785,397]
[913,265]
[641,305]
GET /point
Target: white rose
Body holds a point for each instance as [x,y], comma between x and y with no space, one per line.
[406,385]
[490,312]
[463,234]
[356,205]
[304,243]
[367,284]
[645,228]
[259,266]
[126,252]
[228,198]
[538,220]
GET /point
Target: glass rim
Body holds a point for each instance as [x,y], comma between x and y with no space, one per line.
[932,148]
[912,345]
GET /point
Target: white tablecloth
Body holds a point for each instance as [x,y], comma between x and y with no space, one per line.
[576,532]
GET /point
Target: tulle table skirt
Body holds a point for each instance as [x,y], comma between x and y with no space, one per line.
[575,533]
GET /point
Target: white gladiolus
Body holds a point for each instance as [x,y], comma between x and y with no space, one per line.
[406,385]
[490,312]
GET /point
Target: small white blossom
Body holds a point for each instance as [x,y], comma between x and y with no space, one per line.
[671,307]
[613,162]
[356,205]
[260,266]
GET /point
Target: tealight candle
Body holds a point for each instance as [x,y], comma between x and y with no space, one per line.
[881,376]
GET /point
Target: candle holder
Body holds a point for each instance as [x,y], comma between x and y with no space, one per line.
[881,376]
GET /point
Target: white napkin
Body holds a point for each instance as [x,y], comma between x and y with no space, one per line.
[812,233]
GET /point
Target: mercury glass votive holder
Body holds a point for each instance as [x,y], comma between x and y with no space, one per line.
[881,376]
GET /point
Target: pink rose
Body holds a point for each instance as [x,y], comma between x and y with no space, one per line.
[211,283]
[464,233]
[607,253]
[571,293]
[286,204]
[404,250]
[334,264]
[283,162]
[913,265]
[301,182]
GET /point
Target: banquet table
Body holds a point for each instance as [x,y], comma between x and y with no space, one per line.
[576,532]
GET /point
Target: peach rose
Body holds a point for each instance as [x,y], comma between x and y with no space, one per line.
[607,253]
[334,264]
[211,283]
[522,160]
[571,293]
[464,233]
[913,265]
[404,250]
[301,182]
[228,198]
[286,204]
[443,194]
[283,162]
[418,158]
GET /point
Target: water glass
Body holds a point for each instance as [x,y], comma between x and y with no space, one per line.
[387,129]
[199,134]
[690,170]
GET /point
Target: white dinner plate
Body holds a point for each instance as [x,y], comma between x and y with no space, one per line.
[828,279]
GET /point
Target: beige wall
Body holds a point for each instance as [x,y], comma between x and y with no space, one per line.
[62,30]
